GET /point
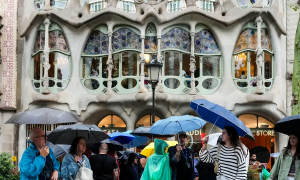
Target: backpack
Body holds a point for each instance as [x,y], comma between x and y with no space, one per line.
[83,172]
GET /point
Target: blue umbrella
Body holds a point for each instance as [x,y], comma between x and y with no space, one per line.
[176,124]
[123,138]
[220,116]
[137,141]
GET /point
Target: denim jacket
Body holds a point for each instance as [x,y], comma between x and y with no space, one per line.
[69,167]
[282,167]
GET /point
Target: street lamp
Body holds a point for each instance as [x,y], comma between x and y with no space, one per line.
[154,68]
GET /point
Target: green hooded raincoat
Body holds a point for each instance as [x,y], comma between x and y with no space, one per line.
[157,167]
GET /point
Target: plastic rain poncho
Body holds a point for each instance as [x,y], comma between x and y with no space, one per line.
[157,167]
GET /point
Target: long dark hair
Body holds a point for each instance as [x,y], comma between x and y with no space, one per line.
[289,147]
[234,137]
[73,149]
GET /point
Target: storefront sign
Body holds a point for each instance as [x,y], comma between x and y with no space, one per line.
[112,130]
[194,133]
[263,132]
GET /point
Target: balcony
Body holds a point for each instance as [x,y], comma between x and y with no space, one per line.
[126,6]
[206,5]
[176,5]
[97,5]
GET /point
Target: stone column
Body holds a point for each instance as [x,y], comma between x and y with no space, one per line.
[22,141]
[159,59]
[281,141]
[46,58]
[193,90]
[110,65]
[142,63]
[259,58]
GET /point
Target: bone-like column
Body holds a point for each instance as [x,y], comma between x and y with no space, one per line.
[193,65]
[142,63]
[259,58]
[110,65]
[45,57]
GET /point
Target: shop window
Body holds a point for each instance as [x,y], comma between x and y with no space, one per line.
[253,121]
[244,56]
[59,60]
[55,4]
[112,121]
[145,121]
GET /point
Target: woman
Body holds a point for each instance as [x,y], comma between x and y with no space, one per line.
[130,171]
[231,156]
[72,160]
[287,165]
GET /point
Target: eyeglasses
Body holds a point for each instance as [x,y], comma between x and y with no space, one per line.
[43,136]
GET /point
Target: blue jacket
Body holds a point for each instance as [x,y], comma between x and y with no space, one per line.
[32,165]
[69,167]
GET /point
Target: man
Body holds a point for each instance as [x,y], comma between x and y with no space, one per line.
[182,160]
[104,167]
[38,161]
[253,160]
[196,161]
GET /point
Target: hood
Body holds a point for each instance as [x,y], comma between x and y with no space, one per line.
[159,146]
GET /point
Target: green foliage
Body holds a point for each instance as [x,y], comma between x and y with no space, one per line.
[294,7]
[7,169]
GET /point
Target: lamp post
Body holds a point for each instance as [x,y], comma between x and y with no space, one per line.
[154,68]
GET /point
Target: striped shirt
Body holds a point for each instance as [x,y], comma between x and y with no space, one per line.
[231,162]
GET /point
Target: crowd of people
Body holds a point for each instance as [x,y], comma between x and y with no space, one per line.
[228,160]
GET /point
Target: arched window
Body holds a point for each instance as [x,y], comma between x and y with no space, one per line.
[126,54]
[94,57]
[55,4]
[254,3]
[145,121]
[244,59]
[59,59]
[208,61]
[253,121]
[175,46]
[112,123]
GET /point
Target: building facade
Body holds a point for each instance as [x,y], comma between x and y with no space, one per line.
[88,57]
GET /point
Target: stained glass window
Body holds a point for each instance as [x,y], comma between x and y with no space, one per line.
[125,38]
[97,43]
[205,43]
[150,43]
[177,38]
[57,41]
[248,40]
[39,41]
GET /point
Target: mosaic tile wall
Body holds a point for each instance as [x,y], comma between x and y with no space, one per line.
[8,12]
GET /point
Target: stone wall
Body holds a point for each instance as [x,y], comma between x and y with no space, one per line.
[8,134]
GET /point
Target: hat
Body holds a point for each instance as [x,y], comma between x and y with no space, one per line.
[184,133]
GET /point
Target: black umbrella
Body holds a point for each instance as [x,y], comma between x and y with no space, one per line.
[112,146]
[144,131]
[288,125]
[262,154]
[65,134]
[43,116]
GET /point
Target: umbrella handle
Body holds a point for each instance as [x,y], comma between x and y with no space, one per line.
[213,125]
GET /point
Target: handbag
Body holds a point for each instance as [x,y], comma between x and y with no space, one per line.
[83,172]
[217,161]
